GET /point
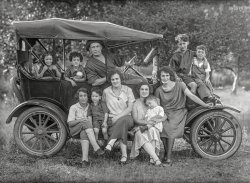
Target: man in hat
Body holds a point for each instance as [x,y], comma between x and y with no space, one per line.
[181,62]
[96,66]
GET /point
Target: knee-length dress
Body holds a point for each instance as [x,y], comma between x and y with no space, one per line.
[148,136]
[116,105]
[173,102]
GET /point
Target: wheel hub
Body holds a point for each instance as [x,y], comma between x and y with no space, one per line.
[216,136]
[40,131]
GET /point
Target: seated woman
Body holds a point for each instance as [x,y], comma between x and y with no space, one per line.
[172,95]
[48,70]
[119,99]
[75,73]
[149,140]
[80,125]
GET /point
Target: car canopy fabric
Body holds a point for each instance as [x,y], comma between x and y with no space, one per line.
[56,28]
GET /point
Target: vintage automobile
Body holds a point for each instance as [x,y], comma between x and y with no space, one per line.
[41,118]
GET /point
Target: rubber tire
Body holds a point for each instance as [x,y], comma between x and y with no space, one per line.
[19,142]
[196,125]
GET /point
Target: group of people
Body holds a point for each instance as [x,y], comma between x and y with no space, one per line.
[150,118]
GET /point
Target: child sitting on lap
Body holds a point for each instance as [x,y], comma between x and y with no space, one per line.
[99,112]
[154,112]
[75,73]
[80,125]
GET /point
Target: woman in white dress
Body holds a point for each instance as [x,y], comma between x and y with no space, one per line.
[147,139]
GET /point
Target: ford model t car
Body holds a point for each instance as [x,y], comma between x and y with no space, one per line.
[41,118]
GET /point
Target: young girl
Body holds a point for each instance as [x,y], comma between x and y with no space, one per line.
[201,69]
[80,125]
[48,70]
[99,112]
[75,73]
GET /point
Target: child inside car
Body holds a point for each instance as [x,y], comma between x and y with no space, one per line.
[75,73]
[49,69]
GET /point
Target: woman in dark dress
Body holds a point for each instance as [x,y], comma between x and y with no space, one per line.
[172,95]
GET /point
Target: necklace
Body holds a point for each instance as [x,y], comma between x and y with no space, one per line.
[117,92]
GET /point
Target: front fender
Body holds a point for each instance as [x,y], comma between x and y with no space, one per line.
[41,103]
[199,110]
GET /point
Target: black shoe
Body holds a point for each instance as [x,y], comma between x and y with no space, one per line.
[99,152]
[131,134]
[124,162]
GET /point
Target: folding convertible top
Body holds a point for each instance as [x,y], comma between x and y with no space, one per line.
[56,28]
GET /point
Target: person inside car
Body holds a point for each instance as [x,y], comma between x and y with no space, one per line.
[75,73]
[96,65]
[49,69]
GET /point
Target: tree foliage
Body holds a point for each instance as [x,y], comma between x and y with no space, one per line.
[221,26]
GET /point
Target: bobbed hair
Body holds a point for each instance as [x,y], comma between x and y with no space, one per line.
[168,70]
[75,54]
[48,54]
[138,87]
[96,90]
[84,90]
[112,73]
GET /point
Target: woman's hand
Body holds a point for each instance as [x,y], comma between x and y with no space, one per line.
[151,122]
[206,81]
[111,115]
[209,105]
[114,119]
[53,67]
[45,68]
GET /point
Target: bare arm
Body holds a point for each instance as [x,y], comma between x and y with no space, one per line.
[75,122]
[195,98]
[39,75]
[73,83]
[124,113]
[159,119]
[99,81]
[106,115]
[137,120]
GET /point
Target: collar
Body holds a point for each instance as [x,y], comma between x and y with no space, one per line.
[79,106]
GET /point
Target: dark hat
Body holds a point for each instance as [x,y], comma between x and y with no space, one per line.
[89,42]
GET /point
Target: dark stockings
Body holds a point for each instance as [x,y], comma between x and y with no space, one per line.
[168,146]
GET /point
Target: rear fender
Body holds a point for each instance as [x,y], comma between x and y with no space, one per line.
[200,110]
[41,103]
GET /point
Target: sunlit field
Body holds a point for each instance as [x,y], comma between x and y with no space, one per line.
[188,166]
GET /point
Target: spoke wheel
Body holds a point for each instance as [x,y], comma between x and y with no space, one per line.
[39,132]
[216,135]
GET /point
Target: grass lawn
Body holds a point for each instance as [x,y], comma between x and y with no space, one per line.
[188,166]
